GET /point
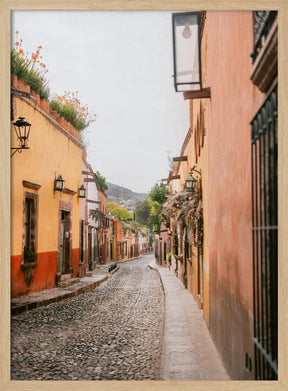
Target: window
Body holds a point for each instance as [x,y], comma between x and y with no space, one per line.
[265,237]
[30,228]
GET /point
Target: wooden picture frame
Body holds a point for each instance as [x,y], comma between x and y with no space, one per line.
[6,6]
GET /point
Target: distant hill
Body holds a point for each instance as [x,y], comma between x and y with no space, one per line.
[123,196]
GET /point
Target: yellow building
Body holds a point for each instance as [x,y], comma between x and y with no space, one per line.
[45,221]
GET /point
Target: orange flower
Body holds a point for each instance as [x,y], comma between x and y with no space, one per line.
[17,43]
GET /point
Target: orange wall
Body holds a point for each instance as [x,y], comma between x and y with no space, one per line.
[118,237]
[43,275]
[51,153]
[233,103]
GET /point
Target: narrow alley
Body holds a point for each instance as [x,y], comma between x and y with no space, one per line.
[142,239]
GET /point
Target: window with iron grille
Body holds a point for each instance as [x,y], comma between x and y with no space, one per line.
[264,151]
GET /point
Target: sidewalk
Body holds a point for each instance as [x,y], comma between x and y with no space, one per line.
[48,296]
[188,350]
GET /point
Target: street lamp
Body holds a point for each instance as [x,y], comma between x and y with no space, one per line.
[59,183]
[22,129]
[187,51]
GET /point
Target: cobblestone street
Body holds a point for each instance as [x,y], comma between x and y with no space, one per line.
[112,333]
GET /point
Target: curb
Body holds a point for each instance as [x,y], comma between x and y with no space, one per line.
[154,266]
[18,309]
[128,260]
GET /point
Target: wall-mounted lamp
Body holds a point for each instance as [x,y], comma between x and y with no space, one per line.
[191,181]
[22,129]
[82,192]
[186,49]
[59,183]
[187,55]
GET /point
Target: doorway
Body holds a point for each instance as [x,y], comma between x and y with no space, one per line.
[90,252]
[64,256]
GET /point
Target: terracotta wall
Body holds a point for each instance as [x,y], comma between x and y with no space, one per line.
[233,103]
[118,238]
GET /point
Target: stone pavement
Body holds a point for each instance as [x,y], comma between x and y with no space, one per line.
[114,332]
[48,296]
[188,350]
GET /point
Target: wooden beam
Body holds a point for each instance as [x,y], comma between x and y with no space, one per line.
[204,93]
[174,177]
[89,180]
[88,173]
[180,159]
[165,179]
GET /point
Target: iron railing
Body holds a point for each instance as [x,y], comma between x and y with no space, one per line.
[265,237]
[263,21]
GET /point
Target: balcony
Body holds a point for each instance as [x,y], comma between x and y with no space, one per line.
[265,53]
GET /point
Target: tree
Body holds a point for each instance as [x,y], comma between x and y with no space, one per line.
[157,196]
[119,212]
[142,212]
[101,181]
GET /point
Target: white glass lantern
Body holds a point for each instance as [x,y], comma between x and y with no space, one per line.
[187,51]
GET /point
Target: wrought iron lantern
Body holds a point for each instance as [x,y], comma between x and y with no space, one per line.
[59,183]
[190,183]
[22,129]
[82,192]
[187,51]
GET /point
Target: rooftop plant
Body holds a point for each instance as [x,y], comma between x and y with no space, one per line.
[69,106]
[30,69]
[101,181]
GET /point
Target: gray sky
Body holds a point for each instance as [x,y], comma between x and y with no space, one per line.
[121,63]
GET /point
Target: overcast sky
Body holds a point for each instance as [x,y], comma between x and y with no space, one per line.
[121,63]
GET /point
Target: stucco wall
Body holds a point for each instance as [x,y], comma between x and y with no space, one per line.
[51,153]
[232,105]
